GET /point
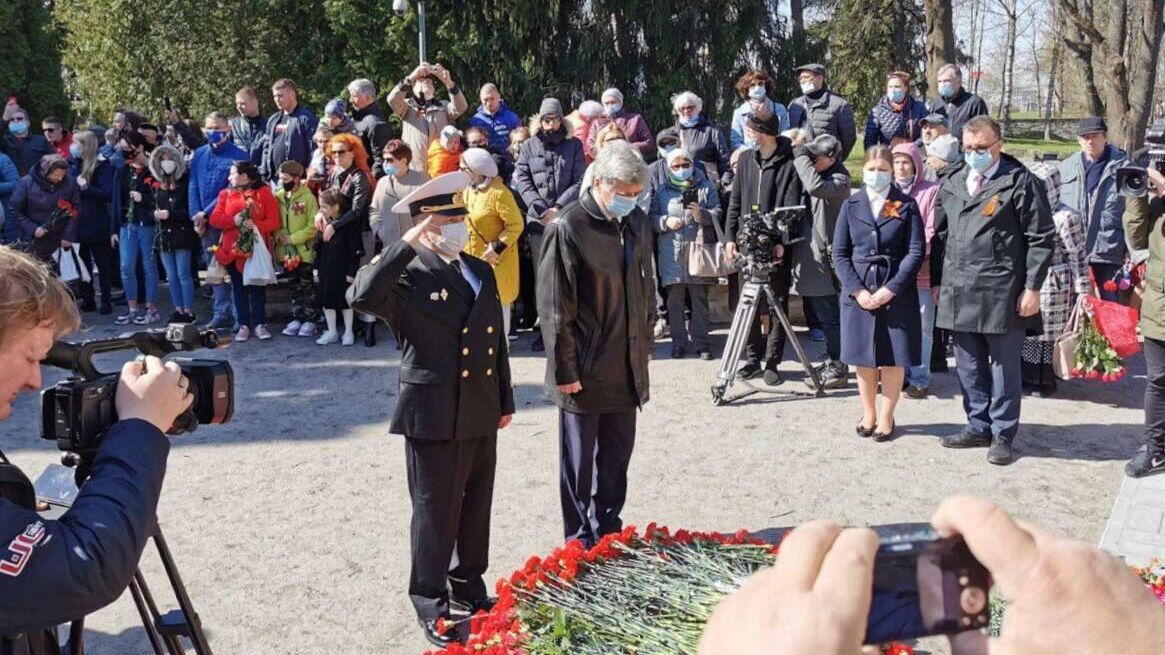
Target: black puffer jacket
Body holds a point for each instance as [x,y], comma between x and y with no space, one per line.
[596,302]
[763,186]
[548,175]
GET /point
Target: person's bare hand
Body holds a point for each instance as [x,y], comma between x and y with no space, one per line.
[82,181]
[329,232]
[490,257]
[865,300]
[413,235]
[730,251]
[173,116]
[815,599]
[283,239]
[40,232]
[549,215]
[1156,182]
[697,213]
[1063,596]
[161,214]
[505,421]
[135,196]
[321,221]
[419,72]
[113,239]
[443,74]
[247,224]
[674,223]
[1029,303]
[152,391]
[881,297]
[570,388]
[934,294]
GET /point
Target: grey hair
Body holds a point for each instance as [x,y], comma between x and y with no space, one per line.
[363,87]
[489,87]
[619,161]
[684,97]
[798,136]
[948,68]
[824,145]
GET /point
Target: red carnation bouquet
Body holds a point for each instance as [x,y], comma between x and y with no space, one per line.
[245,242]
[62,214]
[649,594]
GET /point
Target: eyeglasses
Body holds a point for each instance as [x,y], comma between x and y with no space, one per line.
[978,149]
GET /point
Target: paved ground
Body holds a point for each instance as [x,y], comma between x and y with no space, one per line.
[291,523]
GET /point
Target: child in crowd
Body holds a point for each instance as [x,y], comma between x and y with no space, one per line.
[294,247]
[336,260]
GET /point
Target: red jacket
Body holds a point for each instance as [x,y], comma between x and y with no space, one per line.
[264,213]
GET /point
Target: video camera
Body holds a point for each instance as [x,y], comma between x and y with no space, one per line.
[760,233]
[78,412]
[1133,181]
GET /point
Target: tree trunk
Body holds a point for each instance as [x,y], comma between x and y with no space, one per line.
[797,17]
[940,38]
[1081,48]
[1056,45]
[1009,63]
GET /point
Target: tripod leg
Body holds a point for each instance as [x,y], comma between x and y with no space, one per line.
[77,637]
[197,636]
[147,610]
[737,339]
[775,308]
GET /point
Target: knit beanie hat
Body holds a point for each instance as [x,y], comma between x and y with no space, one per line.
[550,106]
[480,161]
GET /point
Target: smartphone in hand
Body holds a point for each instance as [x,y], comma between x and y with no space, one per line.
[925,585]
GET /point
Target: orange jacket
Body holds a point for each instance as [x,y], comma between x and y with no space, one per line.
[442,161]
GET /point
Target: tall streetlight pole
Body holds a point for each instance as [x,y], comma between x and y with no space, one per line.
[399,7]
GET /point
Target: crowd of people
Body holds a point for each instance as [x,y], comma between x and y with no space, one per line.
[604,237]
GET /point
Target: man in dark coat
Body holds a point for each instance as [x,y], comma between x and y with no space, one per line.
[547,176]
[289,131]
[596,300]
[956,103]
[455,395]
[24,147]
[249,128]
[818,110]
[766,178]
[993,244]
[370,124]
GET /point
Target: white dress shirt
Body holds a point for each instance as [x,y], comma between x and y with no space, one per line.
[877,200]
[973,177]
[466,271]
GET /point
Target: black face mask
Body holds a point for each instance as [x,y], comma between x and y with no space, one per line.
[288,186]
[554,137]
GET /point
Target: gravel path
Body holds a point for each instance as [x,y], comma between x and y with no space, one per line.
[291,523]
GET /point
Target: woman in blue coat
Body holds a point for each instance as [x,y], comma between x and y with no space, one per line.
[878,247]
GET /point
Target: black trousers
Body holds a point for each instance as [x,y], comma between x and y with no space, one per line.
[595,452]
[1155,395]
[101,253]
[451,484]
[529,284]
[773,349]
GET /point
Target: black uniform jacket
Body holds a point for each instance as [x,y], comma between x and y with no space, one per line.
[988,249]
[454,371]
[596,304]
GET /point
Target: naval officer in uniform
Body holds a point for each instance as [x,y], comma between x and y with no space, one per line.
[455,394]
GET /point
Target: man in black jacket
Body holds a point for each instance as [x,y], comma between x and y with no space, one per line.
[993,244]
[765,180]
[455,395]
[954,102]
[596,300]
[370,124]
[248,129]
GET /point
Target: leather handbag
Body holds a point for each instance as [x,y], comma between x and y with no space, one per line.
[1064,349]
[708,259]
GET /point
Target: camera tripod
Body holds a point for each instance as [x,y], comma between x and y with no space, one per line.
[756,281]
[165,631]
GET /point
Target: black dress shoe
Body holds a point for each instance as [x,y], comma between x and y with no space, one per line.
[472,607]
[678,352]
[864,433]
[748,371]
[882,437]
[705,354]
[434,636]
[967,439]
[773,377]
[1000,453]
[88,305]
[538,346]
[370,335]
[106,308]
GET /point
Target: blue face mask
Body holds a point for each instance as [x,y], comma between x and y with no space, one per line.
[216,137]
[613,109]
[980,161]
[682,175]
[75,150]
[690,122]
[663,151]
[946,89]
[19,128]
[620,206]
[750,144]
[757,93]
[877,180]
[896,95]
[389,169]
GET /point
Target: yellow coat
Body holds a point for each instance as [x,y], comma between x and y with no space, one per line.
[494,217]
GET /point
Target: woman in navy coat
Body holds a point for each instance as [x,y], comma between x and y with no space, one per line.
[878,247]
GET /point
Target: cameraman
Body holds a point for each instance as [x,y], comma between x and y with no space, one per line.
[1142,229]
[57,571]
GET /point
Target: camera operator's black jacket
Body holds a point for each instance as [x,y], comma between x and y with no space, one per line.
[763,186]
[52,572]
[596,305]
[454,371]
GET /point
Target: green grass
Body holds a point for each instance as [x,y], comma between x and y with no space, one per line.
[1022,148]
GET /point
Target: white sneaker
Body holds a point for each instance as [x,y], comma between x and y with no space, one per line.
[292,329]
[308,329]
[349,338]
[262,332]
[243,334]
[328,337]
[661,329]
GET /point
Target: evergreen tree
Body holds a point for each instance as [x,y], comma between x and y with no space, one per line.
[32,59]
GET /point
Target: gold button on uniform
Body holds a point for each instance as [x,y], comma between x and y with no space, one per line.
[465,351]
[464,330]
[465,374]
[489,372]
[489,330]
[491,351]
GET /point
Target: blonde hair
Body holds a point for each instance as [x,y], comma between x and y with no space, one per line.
[610,132]
[88,142]
[30,297]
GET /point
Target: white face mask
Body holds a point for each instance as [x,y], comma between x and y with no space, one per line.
[878,181]
[169,166]
[454,237]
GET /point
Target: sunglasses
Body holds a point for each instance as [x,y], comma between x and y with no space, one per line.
[51,130]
